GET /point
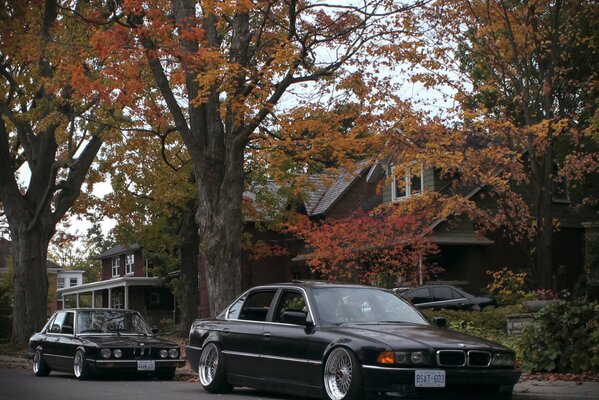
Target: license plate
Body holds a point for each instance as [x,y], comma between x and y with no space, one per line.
[429,378]
[146,365]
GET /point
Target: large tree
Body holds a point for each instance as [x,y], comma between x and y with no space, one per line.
[217,70]
[52,123]
[525,77]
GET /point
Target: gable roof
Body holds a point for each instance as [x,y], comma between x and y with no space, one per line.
[118,250]
[323,195]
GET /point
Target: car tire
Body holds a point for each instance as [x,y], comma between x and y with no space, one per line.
[211,370]
[80,366]
[166,374]
[342,375]
[40,368]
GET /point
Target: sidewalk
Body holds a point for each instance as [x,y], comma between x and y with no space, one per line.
[529,389]
[557,390]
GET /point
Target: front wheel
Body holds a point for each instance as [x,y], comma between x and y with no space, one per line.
[211,370]
[40,368]
[80,367]
[342,376]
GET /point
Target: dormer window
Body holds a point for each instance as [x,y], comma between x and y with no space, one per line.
[129,261]
[116,264]
[411,183]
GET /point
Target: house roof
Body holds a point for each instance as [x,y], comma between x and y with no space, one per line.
[324,195]
[118,250]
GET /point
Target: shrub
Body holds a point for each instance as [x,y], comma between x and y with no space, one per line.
[564,338]
[507,286]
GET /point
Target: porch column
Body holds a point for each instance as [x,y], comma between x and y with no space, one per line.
[93,299]
[77,297]
[109,297]
[126,297]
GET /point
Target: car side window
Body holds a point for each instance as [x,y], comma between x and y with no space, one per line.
[56,325]
[291,305]
[235,309]
[420,295]
[256,307]
[457,295]
[442,293]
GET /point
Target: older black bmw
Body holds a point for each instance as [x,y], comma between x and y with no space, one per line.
[86,341]
[340,342]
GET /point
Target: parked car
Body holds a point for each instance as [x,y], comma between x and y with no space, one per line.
[340,342]
[88,341]
[445,296]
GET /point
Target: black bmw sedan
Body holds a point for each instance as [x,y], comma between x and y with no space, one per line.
[89,341]
[339,342]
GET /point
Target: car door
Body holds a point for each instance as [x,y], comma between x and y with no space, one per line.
[50,345]
[288,349]
[443,298]
[65,347]
[242,335]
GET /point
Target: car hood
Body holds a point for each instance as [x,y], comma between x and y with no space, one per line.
[414,336]
[128,340]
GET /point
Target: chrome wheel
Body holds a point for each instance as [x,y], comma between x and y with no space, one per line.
[338,374]
[79,367]
[208,366]
[40,368]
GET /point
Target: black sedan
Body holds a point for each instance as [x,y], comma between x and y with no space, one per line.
[447,297]
[339,342]
[87,341]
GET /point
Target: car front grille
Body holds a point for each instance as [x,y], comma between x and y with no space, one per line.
[462,358]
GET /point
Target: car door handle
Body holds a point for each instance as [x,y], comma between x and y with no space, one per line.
[266,335]
[226,331]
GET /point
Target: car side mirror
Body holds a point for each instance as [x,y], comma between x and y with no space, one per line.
[154,330]
[440,322]
[294,317]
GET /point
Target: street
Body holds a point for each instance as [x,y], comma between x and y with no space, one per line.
[21,384]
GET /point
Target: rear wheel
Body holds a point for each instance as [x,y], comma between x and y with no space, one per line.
[211,370]
[80,367]
[40,368]
[342,376]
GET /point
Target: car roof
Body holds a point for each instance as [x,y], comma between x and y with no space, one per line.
[96,309]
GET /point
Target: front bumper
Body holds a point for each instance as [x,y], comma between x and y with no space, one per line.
[132,364]
[401,380]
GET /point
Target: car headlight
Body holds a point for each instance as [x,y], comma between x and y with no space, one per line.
[117,353]
[163,353]
[417,357]
[173,353]
[106,353]
[503,360]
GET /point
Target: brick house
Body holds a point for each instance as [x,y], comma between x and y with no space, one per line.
[465,255]
[125,282]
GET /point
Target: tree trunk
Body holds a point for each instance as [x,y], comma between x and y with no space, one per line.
[189,271]
[30,282]
[220,223]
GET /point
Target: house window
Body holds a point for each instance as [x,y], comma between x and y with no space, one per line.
[73,282]
[409,184]
[115,266]
[129,261]
[60,283]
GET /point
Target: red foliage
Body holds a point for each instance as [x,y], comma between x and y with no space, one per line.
[365,246]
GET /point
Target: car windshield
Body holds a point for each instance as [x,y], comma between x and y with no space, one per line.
[110,322]
[339,305]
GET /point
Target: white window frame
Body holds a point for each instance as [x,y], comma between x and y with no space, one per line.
[407,178]
[116,266]
[60,283]
[71,279]
[130,264]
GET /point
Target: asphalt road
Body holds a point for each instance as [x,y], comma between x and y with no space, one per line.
[22,384]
